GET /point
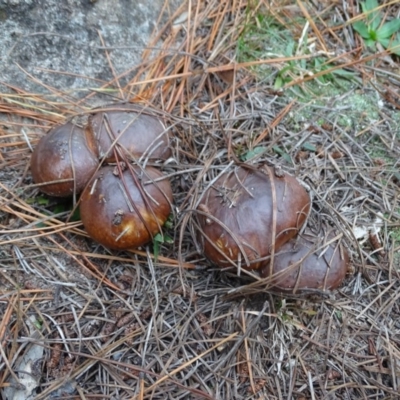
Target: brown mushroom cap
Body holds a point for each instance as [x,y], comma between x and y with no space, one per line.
[306,264]
[236,216]
[136,132]
[123,211]
[66,152]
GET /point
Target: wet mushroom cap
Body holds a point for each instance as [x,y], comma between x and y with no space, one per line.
[306,264]
[237,214]
[67,152]
[136,132]
[122,208]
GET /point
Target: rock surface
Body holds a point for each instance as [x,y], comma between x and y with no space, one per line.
[64,36]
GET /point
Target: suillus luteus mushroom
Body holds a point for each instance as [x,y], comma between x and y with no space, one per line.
[125,206]
[126,130]
[313,261]
[247,212]
[64,160]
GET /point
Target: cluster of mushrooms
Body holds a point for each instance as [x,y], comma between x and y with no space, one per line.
[248,218]
[254,219]
[122,205]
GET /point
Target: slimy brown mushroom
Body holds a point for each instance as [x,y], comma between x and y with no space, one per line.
[64,160]
[247,212]
[312,261]
[124,207]
[130,130]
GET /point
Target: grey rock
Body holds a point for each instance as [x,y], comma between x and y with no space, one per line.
[58,42]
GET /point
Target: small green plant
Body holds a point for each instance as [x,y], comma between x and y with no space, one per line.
[264,37]
[297,68]
[373,31]
[40,200]
[61,209]
[161,238]
[255,152]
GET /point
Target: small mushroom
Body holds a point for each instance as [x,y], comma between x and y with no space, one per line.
[132,130]
[64,160]
[312,261]
[124,206]
[246,212]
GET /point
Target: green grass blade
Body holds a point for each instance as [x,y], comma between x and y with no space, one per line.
[387,30]
[361,28]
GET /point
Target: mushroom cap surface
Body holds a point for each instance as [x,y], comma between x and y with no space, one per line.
[308,263]
[123,211]
[132,130]
[237,215]
[67,152]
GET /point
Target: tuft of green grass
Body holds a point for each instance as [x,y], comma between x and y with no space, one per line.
[264,37]
[373,30]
